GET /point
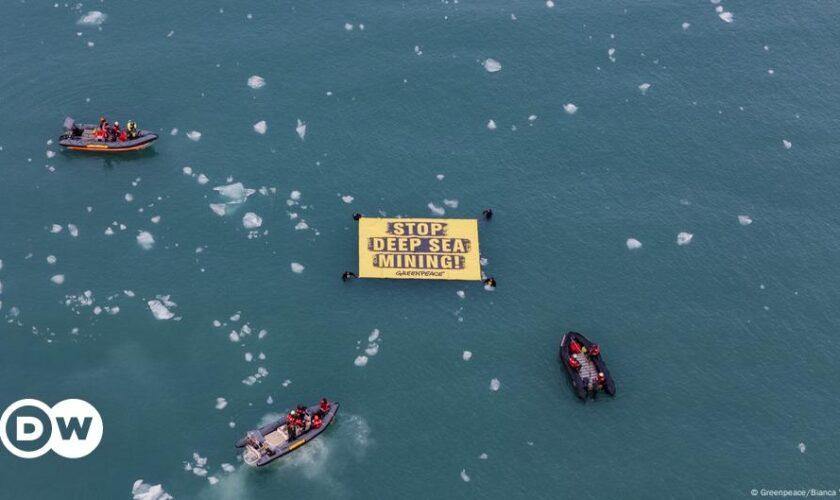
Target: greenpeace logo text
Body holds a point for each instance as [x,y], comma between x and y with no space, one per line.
[71,428]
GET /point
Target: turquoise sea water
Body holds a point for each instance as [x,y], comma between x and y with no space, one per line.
[723,349]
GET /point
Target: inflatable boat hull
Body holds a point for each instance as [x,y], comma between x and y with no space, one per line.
[578,384]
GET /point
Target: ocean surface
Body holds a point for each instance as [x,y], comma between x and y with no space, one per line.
[613,123]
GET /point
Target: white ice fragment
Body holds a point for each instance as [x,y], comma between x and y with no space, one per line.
[436,209]
[174,131]
[212,480]
[128,293]
[440,177]
[56,228]
[109,231]
[532,118]
[194,135]
[58,279]
[301,129]
[686,25]
[50,154]
[451,203]
[251,220]
[491,125]
[73,230]
[684,238]
[644,88]
[159,310]
[495,384]
[295,195]
[744,220]
[611,54]
[221,403]
[129,197]
[787,144]
[236,192]
[464,475]
[218,208]
[249,357]
[145,240]
[570,108]
[301,226]
[460,294]
[361,361]
[467,355]
[549,3]
[155,219]
[256,82]
[633,243]
[347,198]
[726,16]
[297,268]
[492,65]
[260,127]
[348,26]
[228,468]
[801,447]
[202,179]
[144,491]
[92,18]
[51,259]
[374,335]
[187,170]
[372,349]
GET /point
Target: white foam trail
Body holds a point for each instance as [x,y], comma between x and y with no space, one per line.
[256,82]
[145,240]
[492,65]
[633,244]
[684,238]
[260,127]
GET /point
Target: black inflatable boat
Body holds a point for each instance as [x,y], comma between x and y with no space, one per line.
[585,366]
[272,441]
[81,137]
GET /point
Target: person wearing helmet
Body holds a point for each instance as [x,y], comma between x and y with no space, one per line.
[325,406]
[574,363]
[595,350]
[116,131]
[602,379]
[131,129]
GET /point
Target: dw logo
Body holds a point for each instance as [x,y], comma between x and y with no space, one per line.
[71,428]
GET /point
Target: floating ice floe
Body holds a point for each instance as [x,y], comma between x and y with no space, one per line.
[56,228]
[228,468]
[684,238]
[801,447]
[451,203]
[726,16]
[361,361]
[297,268]
[251,220]
[51,259]
[301,129]
[50,154]
[570,108]
[460,294]
[160,307]
[347,198]
[440,177]
[495,384]
[129,197]
[58,279]
[301,226]
[155,219]
[787,144]
[467,355]
[464,475]
[686,25]
[633,243]
[532,118]
[92,18]
[436,209]
[417,50]
[644,88]
[492,65]
[611,54]
[744,220]
[221,403]
[256,82]
[193,135]
[491,125]
[260,127]
[174,131]
[212,480]
[73,230]
[348,26]
[235,193]
[202,179]
[144,491]
[549,4]
[483,456]
[145,240]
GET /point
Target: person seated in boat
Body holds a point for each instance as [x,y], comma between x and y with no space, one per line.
[594,350]
[574,363]
[602,379]
[307,422]
[131,129]
[116,131]
[325,406]
[316,421]
[574,347]
[103,123]
[99,134]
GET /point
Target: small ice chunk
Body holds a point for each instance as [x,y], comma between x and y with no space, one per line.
[159,310]
[436,209]
[144,491]
[684,238]
[495,384]
[491,125]
[260,127]
[221,403]
[440,177]
[549,4]
[464,475]
[492,65]
[686,25]
[361,361]
[347,198]
[532,118]
[218,208]
[295,195]
[726,16]
[92,18]
[249,357]
[744,220]
[301,226]
[467,355]
[644,88]
[460,294]
[56,228]
[251,220]
[58,279]
[570,108]
[145,240]
[174,131]
[483,456]
[451,203]
[633,243]
[212,480]
[155,219]
[801,447]
[228,468]
[187,170]
[50,154]
[348,26]
[787,144]
[236,192]
[109,231]
[194,135]
[51,259]
[297,268]
[256,82]
[611,54]
[202,179]
[73,230]
[301,129]
[129,197]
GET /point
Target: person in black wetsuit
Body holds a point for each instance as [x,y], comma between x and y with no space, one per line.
[348,275]
[490,282]
[357,216]
[487,213]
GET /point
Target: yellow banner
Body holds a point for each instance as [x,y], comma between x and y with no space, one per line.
[421,249]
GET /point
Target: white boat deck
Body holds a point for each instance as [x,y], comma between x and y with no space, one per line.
[587,367]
